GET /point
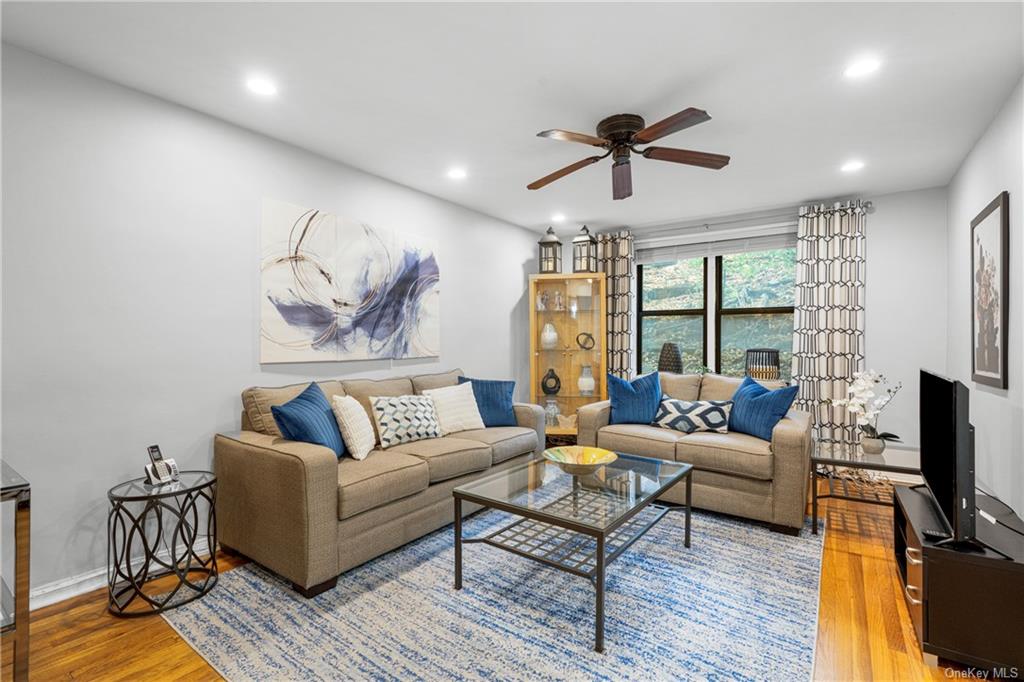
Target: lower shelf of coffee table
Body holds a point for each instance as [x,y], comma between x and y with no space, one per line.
[566,549]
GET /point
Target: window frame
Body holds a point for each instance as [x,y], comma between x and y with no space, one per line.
[720,311]
[702,312]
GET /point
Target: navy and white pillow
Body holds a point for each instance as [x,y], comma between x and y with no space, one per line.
[689,416]
[404,419]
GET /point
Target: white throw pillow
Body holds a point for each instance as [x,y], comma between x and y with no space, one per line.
[456,408]
[404,419]
[354,424]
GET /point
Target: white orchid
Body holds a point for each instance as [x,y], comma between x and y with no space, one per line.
[863,401]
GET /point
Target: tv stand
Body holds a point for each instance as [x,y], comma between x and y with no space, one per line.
[966,606]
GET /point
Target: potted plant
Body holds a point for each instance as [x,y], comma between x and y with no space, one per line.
[868,395]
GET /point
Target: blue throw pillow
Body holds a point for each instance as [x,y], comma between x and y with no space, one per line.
[494,400]
[309,418]
[756,410]
[634,402]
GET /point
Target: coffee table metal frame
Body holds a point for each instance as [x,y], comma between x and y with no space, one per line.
[554,541]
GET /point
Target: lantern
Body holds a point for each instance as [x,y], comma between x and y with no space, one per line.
[584,252]
[550,253]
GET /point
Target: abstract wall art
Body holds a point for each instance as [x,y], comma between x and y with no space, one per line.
[334,289]
[990,282]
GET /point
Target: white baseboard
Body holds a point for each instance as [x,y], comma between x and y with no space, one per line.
[66,588]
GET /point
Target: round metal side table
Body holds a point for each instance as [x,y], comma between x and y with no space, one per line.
[161,530]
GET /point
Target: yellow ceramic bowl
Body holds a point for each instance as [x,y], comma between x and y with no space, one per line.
[580,460]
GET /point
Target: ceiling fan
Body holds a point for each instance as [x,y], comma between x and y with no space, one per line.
[620,135]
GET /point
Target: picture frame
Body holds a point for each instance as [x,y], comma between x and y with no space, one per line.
[990,288]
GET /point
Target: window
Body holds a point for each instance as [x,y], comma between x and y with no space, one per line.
[754,294]
[672,307]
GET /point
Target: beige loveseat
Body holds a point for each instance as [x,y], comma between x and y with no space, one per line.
[308,516]
[733,473]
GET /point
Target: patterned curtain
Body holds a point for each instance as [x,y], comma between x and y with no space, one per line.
[828,335]
[615,259]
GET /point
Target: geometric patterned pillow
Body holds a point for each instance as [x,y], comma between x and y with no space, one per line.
[694,415]
[404,419]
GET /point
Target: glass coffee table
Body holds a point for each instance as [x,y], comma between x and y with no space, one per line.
[575,523]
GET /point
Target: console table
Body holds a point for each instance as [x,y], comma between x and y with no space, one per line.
[14,605]
[966,606]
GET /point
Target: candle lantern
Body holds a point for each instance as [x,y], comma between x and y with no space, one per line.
[550,253]
[584,252]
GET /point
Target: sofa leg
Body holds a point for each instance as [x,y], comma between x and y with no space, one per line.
[313,590]
[785,530]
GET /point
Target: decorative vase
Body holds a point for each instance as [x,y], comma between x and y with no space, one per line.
[550,383]
[548,337]
[586,381]
[872,446]
[670,359]
[551,412]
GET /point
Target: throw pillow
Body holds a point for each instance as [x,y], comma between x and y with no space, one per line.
[355,426]
[308,418]
[634,402]
[494,400]
[756,410]
[456,408]
[689,416]
[404,419]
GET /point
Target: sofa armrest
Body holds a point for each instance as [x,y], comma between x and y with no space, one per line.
[532,417]
[791,448]
[277,503]
[589,419]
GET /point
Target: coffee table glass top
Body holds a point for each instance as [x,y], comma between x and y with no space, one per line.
[893,459]
[596,501]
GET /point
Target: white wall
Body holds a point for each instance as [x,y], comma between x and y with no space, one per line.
[905,324]
[993,165]
[130,276]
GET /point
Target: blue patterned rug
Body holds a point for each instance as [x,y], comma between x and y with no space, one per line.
[740,604]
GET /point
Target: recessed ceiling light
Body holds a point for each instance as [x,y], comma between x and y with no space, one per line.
[261,85]
[558,218]
[457,173]
[852,166]
[861,67]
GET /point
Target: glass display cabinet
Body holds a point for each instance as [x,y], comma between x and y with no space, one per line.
[568,362]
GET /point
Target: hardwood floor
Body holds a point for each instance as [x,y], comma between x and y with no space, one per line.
[864,631]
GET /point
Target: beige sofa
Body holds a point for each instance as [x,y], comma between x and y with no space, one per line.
[308,516]
[733,473]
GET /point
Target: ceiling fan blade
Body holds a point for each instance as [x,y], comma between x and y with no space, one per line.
[569,136]
[622,180]
[691,158]
[562,172]
[672,124]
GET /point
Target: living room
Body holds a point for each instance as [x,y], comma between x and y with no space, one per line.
[477,340]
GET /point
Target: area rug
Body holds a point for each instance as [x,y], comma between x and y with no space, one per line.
[740,603]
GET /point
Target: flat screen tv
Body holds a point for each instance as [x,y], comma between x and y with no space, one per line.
[947,451]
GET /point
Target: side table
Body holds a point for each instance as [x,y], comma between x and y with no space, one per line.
[828,456]
[14,605]
[161,530]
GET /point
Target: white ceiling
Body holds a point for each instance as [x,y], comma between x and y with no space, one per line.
[406,91]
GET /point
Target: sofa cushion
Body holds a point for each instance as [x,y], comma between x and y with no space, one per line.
[456,408]
[363,389]
[689,416]
[719,387]
[756,410]
[494,400]
[425,382]
[636,401]
[308,418]
[680,386]
[730,453]
[448,457]
[640,439]
[381,478]
[258,400]
[506,441]
[404,419]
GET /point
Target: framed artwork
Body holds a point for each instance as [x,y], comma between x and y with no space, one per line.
[335,289]
[990,286]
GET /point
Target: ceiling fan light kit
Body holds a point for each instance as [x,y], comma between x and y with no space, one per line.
[620,134]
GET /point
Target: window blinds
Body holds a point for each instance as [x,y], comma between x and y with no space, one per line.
[710,249]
